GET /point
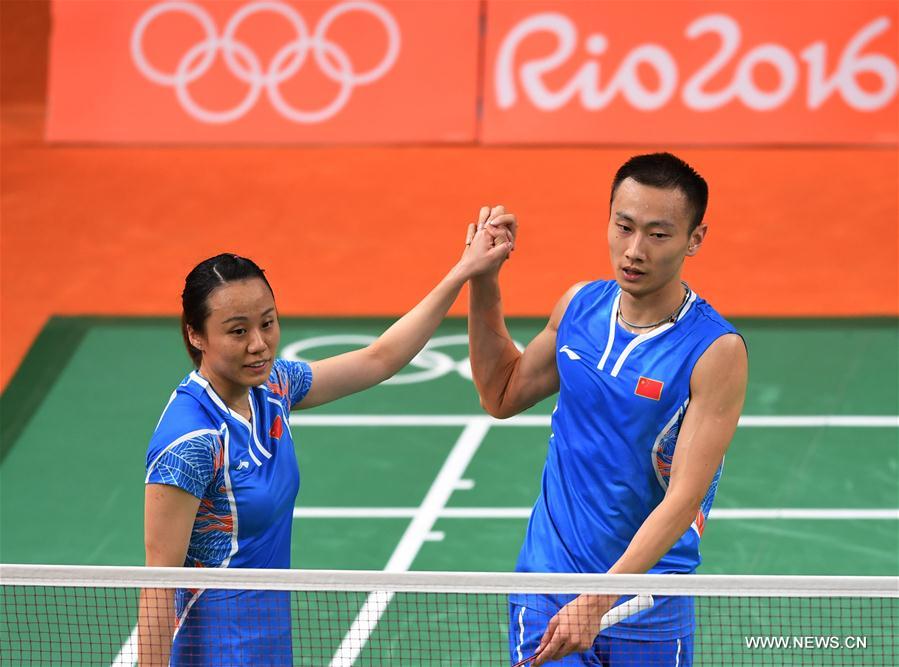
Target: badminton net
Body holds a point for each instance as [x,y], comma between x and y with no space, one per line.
[62,615]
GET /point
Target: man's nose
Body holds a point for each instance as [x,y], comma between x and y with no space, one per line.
[635,248]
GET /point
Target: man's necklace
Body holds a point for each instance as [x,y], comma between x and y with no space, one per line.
[671,317]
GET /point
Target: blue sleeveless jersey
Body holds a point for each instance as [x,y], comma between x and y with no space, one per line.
[621,402]
[246,477]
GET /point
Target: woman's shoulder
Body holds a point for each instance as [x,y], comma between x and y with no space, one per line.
[291,379]
[185,416]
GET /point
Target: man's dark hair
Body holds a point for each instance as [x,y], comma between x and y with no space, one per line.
[667,171]
[202,281]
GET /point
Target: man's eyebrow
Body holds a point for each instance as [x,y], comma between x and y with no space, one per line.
[656,223]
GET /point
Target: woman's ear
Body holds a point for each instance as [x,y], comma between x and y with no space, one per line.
[196,339]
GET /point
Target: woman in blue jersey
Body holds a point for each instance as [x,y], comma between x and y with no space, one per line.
[222,474]
[650,383]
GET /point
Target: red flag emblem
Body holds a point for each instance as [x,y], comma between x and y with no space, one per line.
[649,388]
[277,428]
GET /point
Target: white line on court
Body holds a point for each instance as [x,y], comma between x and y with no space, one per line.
[128,653]
[127,656]
[763,421]
[525,512]
[415,536]
[803,513]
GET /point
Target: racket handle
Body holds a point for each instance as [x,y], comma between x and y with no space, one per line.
[625,609]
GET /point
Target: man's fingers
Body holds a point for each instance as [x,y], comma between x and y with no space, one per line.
[500,233]
[508,222]
[469,234]
[552,649]
[483,215]
[497,211]
[507,219]
[502,250]
[548,633]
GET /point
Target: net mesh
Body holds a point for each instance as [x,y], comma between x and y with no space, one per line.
[73,616]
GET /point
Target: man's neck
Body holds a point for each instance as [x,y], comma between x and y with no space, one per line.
[649,308]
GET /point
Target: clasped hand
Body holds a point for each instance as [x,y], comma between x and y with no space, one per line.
[489,241]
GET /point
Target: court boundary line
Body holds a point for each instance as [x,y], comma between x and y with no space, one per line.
[414,537]
[741,513]
[746,421]
[405,552]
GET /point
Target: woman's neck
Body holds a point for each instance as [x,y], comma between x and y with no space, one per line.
[235,396]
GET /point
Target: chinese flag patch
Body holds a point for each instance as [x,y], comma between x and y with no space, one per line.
[649,388]
[277,428]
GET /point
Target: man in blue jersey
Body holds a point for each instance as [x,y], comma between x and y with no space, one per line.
[651,382]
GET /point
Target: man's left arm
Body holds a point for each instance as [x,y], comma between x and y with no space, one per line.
[717,391]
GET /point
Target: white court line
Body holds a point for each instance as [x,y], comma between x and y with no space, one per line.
[525,513]
[802,513]
[415,536]
[763,421]
[801,421]
[127,656]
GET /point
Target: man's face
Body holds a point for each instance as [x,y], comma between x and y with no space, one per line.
[649,236]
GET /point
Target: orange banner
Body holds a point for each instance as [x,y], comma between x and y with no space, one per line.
[264,71]
[689,72]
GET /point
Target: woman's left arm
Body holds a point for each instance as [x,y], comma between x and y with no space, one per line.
[345,374]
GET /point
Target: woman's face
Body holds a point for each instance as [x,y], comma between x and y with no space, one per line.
[241,335]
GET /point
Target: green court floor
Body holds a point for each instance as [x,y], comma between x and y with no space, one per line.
[77,417]
[811,482]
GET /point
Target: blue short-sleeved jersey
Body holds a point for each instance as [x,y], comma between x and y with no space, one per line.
[621,402]
[246,477]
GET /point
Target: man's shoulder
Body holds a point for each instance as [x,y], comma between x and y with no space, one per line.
[589,293]
[707,316]
[596,289]
[583,297]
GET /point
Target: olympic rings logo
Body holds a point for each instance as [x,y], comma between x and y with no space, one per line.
[432,364]
[244,64]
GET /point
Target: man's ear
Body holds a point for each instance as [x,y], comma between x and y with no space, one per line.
[697,236]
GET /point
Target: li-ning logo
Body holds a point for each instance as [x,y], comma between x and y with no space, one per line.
[244,64]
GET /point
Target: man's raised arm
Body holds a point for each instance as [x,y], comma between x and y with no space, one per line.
[508,381]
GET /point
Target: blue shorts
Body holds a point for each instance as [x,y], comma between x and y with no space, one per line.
[526,628]
[233,627]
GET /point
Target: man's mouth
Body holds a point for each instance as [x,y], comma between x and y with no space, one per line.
[631,273]
[256,365]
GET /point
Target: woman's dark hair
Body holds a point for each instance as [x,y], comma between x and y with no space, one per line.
[667,171]
[202,281]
